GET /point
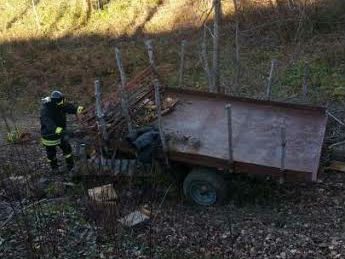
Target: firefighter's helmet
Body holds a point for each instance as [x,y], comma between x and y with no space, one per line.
[57,97]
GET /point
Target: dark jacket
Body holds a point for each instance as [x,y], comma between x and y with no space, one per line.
[53,116]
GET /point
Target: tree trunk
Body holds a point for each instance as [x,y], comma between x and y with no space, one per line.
[238,64]
[37,19]
[217,17]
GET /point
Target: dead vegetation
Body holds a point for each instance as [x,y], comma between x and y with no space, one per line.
[72,47]
[261,219]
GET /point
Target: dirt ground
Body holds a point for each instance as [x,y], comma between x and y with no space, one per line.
[260,218]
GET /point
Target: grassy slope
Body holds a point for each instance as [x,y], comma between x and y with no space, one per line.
[68,46]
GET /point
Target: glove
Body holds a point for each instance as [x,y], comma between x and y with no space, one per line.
[58,130]
[80,110]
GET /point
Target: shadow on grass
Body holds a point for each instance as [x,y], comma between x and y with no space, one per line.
[30,69]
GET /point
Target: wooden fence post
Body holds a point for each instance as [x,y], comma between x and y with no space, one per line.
[149,46]
[183,45]
[123,95]
[83,163]
[100,121]
[159,118]
[269,81]
[99,112]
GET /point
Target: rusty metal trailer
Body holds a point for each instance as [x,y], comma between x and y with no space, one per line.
[197,130]
[198,134]
[256,133]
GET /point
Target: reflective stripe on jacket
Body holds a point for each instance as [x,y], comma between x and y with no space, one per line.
[49,143]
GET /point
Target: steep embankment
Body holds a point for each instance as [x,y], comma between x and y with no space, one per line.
[67,44]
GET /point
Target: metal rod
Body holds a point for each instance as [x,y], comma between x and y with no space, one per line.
[229,118]
[269,80]
[123,95]
[183,45]
[159,118]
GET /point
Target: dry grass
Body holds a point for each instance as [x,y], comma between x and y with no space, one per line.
[72,46]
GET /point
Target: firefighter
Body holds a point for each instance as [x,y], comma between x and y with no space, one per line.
[53,125]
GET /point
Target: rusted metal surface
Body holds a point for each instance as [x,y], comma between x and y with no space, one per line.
[200,118]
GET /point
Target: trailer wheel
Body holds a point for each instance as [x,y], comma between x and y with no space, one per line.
[204,187]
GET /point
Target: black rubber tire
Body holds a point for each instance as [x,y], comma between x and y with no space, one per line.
[209,177]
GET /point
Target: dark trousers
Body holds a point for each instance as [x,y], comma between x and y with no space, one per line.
[67,152]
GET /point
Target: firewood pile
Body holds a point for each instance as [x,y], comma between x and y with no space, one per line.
[141,106]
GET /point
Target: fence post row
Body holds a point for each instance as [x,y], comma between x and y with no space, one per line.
[123,95]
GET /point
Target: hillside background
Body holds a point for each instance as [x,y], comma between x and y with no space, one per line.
[66,44]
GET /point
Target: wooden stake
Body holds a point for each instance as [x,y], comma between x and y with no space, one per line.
[217,16]
[99,113]
[123,95]
[229,118]
[183,45]
[159,118]
[269,81]
[100,120]
[83,158]
[149,46]
[305,82]
[283,153]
